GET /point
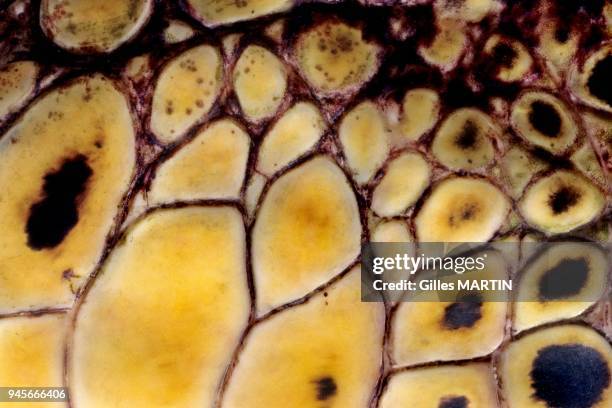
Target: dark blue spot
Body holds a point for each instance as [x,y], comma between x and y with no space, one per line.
[569,376]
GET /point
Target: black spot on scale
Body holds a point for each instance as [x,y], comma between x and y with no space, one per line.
[599,83]
[545,118]
[468,136]
[465,213]
[569,376]
[562,34]
[453,402]
[52,218]
[463,314]
[504,54]
[325,387]
[563,199]
[565,279]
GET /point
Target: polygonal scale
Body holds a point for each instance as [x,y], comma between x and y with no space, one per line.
[87,26]
[314,360]
[211,166]
[447,47]
[465,140]
[335,58]
[450,330]
[562,366]
[185,91]
[295,133]
[260,82]
[177,31]
[391,231]
[420,109]
[405,179]
[519,166]
[561,202]
[560,283]
[159,325]
[364,140]
[513,58]
[55,219]
[307,230]
[544,120]
[461,209]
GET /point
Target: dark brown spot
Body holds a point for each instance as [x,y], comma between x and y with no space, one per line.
[562,34]
[465,213]
[453,402]
[68,274]
[565,279]
[326,388]
[545,118]
[467,138]
[563,199]
[52,218]
[468,212]
[464,313]
[599,83]
[169,107]
[569,375]
[504,54]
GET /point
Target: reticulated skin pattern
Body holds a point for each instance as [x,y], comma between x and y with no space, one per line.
[188,191]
